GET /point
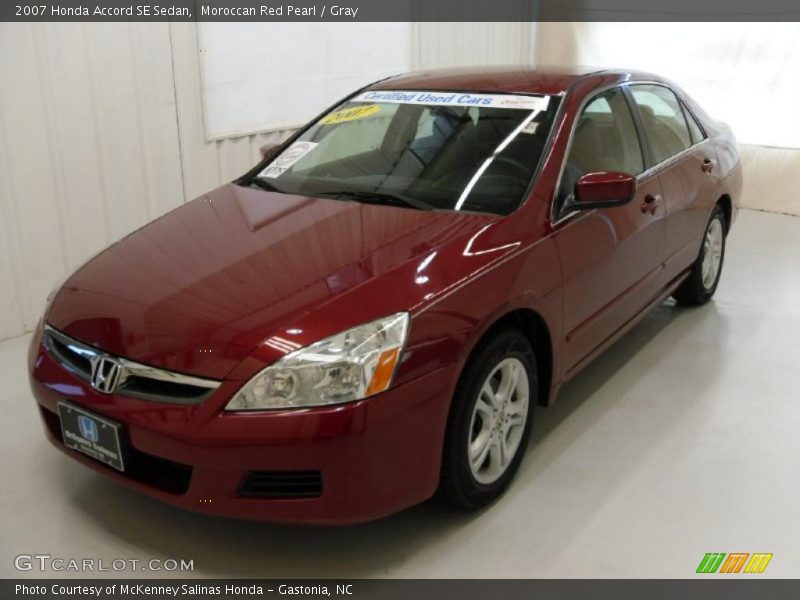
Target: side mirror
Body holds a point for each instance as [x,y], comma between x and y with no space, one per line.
[603,189]
[268,149]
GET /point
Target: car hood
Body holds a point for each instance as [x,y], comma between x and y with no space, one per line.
[200,288]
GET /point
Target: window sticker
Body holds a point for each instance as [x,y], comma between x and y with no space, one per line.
[538,103]
[287,158]
[350,114]
[530,128]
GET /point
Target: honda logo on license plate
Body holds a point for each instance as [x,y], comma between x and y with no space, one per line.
[88,428]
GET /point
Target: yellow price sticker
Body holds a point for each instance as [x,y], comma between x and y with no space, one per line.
[350,114]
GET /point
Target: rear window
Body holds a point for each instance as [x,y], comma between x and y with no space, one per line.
[663,120]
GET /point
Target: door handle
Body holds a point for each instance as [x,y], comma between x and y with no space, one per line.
[708,165]
[650,204]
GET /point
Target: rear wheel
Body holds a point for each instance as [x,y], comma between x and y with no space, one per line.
[490,421]
[705,272]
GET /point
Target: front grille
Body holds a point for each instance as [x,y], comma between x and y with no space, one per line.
[75,362]
[282,484]
[135,380]
[159,473]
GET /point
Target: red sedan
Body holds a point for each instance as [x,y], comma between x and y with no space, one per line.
[371,313]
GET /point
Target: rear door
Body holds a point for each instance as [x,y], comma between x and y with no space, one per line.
[612,257]
[684,161]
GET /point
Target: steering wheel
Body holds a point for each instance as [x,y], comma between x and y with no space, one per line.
[522,168]
[514,163]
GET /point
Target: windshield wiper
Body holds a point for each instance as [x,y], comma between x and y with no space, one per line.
[379,198]
[259,183]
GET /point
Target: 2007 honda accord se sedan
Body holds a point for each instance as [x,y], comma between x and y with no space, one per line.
[370,315]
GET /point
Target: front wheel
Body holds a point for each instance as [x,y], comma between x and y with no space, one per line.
[490,421]
[706,270]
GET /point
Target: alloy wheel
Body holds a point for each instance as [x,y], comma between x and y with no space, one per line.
[498,420]
[712,253]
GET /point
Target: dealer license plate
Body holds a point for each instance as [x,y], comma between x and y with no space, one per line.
[91,434]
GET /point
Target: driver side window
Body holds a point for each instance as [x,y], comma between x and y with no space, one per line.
[604,139]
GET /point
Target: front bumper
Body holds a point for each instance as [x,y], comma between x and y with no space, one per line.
[375,456]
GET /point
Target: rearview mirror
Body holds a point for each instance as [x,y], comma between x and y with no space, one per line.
[268,149]
[603,189]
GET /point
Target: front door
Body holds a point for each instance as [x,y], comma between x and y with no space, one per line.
[611,258]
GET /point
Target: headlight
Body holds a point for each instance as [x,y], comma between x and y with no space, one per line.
[351,365]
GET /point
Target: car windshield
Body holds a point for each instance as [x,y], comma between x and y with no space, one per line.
[452,151]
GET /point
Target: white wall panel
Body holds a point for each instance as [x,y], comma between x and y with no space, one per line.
[32,203]
[88,150]
[771,179]
[269,75]
[205,164]
[469,44]
[76,190]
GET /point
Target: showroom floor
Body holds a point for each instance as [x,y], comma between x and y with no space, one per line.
[682,439]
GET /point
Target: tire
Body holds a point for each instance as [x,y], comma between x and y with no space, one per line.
[477,416]
[700,286]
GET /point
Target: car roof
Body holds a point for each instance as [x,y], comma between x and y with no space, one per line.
[515,78]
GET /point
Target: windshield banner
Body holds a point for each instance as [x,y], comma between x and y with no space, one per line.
[537,103]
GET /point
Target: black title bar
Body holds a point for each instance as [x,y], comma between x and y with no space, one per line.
[399,10]
[400,589]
